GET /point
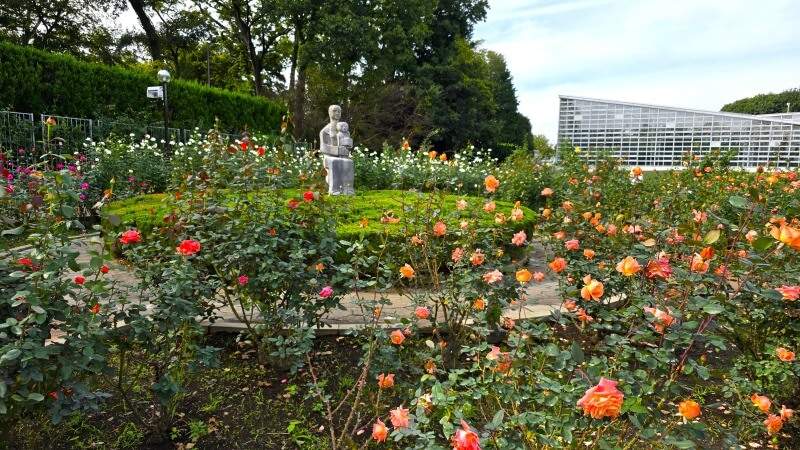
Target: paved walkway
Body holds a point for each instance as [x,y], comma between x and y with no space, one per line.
[541,298]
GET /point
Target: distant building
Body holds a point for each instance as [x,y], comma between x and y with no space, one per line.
[659,136]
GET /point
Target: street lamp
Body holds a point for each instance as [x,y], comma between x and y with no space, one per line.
[163,77]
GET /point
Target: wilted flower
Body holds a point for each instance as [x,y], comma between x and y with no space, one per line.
[385,381]
[457,254]
[477,258]
[489,207]
[663,319]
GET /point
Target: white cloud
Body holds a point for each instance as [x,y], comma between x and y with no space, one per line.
[681,53]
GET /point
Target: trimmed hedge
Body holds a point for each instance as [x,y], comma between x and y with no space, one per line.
[40,82]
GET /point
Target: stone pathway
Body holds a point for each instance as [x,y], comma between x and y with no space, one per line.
[541,298]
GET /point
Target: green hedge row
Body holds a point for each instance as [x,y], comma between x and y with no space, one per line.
[40,82]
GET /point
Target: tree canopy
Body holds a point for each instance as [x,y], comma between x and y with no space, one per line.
[766,103]
[401,69]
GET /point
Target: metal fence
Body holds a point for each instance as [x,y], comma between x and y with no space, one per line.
[20,135]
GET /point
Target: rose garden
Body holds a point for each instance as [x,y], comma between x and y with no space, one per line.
[677,324]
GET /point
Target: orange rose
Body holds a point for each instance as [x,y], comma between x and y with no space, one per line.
[407,271]
[568,206]
[788,235]
[603,400]
[786,413]
[636,171]
[491,183]
[761,401]
[546,212]
[689,409]
[439,229]
[785,355]
[538,277]
[593,289]
[477,258]
[379,431]
[523,276]
[663,319]
[707,253]
[443,157]
[397,337]
[432,154]
[628,266]
[774,423]
[557,265]
[570,305]
[588,253]
[698,264]
[479,304]
[385,381]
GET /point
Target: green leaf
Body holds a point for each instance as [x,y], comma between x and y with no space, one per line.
[14,231]
[684,444]
[68,211]
[713,308]
[35,396]
[635,421]
[577,353]
[114,219]
[738,202]
[763,243]
[10,355]
[96,263]
[711,237]
[497,420]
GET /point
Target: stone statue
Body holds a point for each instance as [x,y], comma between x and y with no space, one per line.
[335,144]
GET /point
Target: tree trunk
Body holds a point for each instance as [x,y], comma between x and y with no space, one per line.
[300,102]
[153,40]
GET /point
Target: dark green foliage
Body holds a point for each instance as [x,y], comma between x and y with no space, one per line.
[35,81]
[766,103]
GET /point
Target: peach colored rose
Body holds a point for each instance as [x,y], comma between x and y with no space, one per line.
[583,317]
[458,253]
[663,319]
[407,271]
[568,206]
[790,293]
[397,337]
[491,183]
[493,277]
[519,238]
[761,402]
[538,277]
[603,400]
[593,289]
[751,236]
[489,207]
[547,192]
[439,229]
[461,205]
[572,244]
[399,417]
[698,264]
[570,305]
[422,312]
[546,212]
[516,214]
[786,413]
[588,253]
[628,266]
[658,269]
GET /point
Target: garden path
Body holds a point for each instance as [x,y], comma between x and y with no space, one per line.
[542,298]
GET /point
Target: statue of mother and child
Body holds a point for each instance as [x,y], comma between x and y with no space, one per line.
[335,144]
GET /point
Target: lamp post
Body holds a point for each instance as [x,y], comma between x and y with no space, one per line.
[163,77]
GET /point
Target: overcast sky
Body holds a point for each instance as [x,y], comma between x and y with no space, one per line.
[698,54]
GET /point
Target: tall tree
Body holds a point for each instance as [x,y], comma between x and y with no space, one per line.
[54,25]
[258,27]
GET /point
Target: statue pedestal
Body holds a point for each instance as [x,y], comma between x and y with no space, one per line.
[341,175]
